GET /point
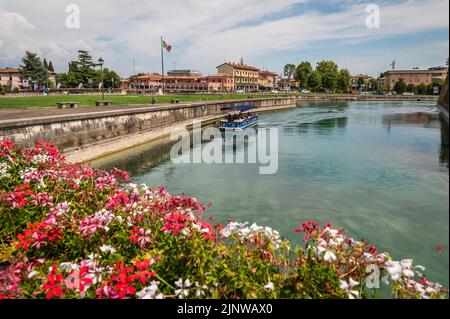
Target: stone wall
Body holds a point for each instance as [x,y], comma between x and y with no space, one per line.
[77,131]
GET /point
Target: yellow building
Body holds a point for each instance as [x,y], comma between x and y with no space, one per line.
[245,77]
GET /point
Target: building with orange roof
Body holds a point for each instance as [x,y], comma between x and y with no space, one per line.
[10,78]
[245,77]
[220,82]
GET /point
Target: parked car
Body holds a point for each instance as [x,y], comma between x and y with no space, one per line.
[274,92]
[240,91]
[304,91]
[408,93]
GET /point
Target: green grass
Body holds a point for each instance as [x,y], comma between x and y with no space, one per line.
[89,100]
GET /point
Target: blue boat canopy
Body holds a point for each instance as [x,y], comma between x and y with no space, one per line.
[241,108]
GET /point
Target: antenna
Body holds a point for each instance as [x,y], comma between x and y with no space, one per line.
[393,64]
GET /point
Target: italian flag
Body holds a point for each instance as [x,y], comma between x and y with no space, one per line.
[166,46]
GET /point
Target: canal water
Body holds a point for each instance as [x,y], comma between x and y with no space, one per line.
[379,170]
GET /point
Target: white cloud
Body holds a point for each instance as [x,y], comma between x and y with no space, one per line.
[13,22]
[203,33]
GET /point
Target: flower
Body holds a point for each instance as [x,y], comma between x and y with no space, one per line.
[150,292]
[106,248]
[329,256]
[183,292]
[140,235]
[53,285]
[270,286]
[201,290]
[352,294]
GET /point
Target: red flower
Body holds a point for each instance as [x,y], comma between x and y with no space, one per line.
[140,236]
[174,222]
[143,272]
[53,286]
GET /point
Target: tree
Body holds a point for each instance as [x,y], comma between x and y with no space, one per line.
[324,67]
[373,84]
[315,81]
[50,67]
[344,80]
[329,73]
[361,83]
[110,78]
[85,67]
[411,88]
[302,73]
[33,68]
[421,89]
[289,70]
[45,64]
[330,81]
[400,86]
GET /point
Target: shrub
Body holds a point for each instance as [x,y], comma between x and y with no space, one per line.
[68,231]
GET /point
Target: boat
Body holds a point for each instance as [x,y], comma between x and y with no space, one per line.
[239,118]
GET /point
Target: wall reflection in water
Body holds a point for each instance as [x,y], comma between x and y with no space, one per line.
[443,158]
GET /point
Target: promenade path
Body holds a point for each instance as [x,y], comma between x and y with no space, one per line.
[47,113]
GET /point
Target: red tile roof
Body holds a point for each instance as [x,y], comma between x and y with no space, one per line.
[9,70]
[240,66]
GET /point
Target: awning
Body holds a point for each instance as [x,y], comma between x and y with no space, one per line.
[241,108]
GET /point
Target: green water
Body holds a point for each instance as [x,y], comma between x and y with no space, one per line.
[377,169]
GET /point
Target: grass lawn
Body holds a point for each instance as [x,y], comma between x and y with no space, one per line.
[89,100]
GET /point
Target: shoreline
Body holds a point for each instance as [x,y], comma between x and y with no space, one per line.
[88,134]
[122,143]
[112,146]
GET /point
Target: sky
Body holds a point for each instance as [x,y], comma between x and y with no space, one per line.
[206,33]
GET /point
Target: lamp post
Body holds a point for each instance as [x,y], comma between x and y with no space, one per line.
[101,62]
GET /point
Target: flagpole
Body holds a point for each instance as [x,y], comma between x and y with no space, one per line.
[162,65]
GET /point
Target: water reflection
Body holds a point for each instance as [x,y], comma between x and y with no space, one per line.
[443,156]
[329,126]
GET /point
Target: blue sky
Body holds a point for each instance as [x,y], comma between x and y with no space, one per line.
[266,33]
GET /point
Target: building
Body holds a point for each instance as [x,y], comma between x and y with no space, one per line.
[185,84]
[268,80]
[147,82]
[288,85]
[10,78]
[414,76]
[184,73]
[51,76]
[360,81]
[245,77]
[220,83]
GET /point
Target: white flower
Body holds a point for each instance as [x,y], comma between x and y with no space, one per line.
[348,287]
[32,274]
[69,267]
[151,292]
[200,292]
[332,232]
[92,257]
[270,286]
[106,248]
[329,256]
[4,168]
[394,268]
[183,292]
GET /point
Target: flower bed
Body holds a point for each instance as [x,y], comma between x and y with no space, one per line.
[67,231]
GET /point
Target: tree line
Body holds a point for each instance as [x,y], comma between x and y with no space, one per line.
[81,71]
[401,87]
[326,77]
[85,71]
